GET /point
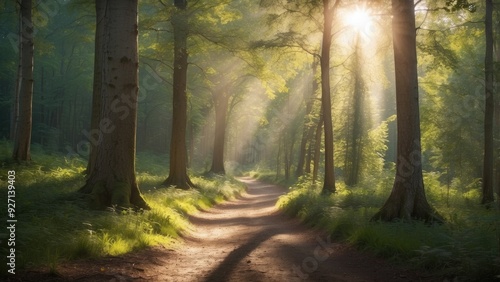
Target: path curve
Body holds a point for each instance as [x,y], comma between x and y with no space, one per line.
[246,239]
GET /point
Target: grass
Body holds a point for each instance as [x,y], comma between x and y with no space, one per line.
[467,246]
[54,224]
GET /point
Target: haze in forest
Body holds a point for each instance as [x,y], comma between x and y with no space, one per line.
[386,109]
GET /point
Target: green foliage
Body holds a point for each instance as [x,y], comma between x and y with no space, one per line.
[49,210]
[466,246]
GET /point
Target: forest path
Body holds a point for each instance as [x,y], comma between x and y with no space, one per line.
[246,239]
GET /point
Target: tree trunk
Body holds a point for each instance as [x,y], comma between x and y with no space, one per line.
[95,135]
[488,178]
[291,150]
[307,168]
[22,139]
[407,199]
[497,165]
[112,180]
[221,103]
[15,109]
[355,150]
[278,157]
[326,104]
[317,147]
[178,176]
[309,100]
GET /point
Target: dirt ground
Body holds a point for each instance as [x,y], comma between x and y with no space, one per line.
[242,240]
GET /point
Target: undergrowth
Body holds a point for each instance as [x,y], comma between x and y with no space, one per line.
[55,225]
[467,246]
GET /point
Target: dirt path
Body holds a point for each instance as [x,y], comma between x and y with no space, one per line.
[244,240]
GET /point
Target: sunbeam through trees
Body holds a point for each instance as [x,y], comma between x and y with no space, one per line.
[378,122]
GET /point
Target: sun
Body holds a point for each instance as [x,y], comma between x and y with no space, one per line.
[359,18]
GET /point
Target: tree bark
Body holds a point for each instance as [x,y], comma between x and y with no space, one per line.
[488,161]
[221,103]
[15,109]
[178,176]
[317,147]
[326,104]
[24,125]
[95,134]
[407,199]
[112,180]
[497,165]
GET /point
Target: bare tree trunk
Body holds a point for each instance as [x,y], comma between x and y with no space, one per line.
[496,45]
[221,103]
[22,139]
[15,109]
[326,104]
[497,165]
[488,164]
[407,199]
[94,136]
[278,157]
[112,181]
[178,176]
[317,147]
[307,168]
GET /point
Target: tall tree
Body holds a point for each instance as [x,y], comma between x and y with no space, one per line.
[496,125]
[407,199]
[354,142]
[112,180]
[14,118]
[220,96]
[95,134]
[22,140]
[326,104]
[488,162]
[178,175]
[317,146]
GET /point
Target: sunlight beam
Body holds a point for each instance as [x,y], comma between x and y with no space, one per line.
[360,20]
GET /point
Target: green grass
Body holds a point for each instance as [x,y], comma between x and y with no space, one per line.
[268,175]
[55,225]
[466,246]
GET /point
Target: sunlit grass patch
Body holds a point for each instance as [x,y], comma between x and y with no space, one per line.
[467,245]
[55,225]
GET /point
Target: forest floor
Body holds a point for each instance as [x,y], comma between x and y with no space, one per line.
[246,239]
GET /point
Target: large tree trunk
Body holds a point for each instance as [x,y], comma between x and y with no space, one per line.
[22,139]
[112,180]
[326,104]
[178,176]
[487,185]
[496,125]
[221,102]
[497,165]
[94,135]
[407,199]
